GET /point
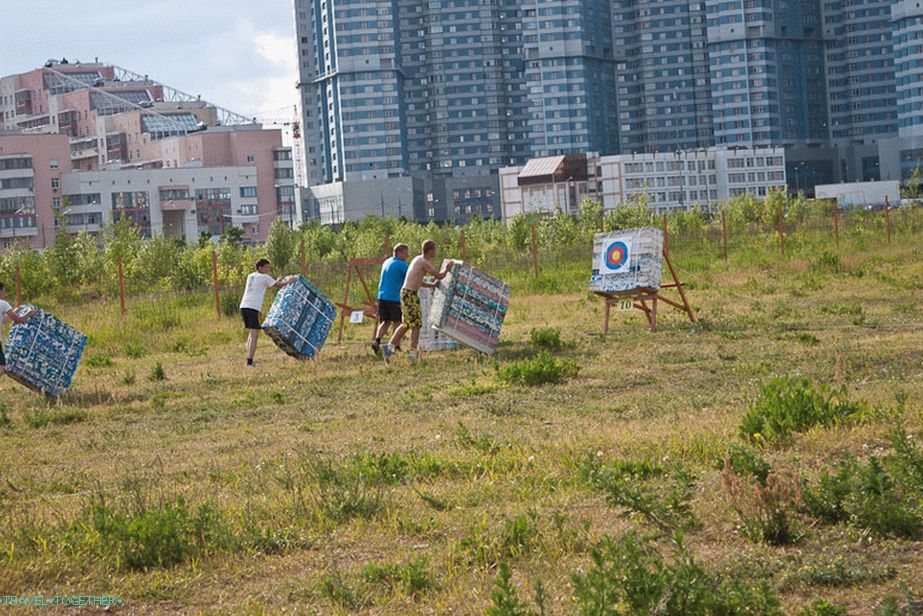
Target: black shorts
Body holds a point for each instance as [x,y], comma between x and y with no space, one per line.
[251,318]
[389,311]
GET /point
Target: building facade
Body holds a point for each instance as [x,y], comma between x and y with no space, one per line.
[461,88]
[663,181]
[116,122]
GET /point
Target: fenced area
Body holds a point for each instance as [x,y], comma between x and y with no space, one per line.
[777,435]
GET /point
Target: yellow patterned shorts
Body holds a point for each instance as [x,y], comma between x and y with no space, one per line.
[410,308]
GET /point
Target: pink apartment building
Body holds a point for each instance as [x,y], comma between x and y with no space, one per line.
[31,171]
[95,118]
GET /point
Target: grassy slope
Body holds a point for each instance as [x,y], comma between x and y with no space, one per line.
[216,433]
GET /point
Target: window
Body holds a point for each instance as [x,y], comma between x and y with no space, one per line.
[55,183]
[248,192]
[53,163]
[250,158]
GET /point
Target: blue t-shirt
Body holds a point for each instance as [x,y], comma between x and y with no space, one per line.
[393,272]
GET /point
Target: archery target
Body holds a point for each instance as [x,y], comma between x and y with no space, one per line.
[617,255]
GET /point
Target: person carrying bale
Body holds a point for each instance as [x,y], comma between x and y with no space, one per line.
[6,313]
[393,273]
[252,303]
[411,311]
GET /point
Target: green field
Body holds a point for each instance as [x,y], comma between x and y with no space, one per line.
[176,479]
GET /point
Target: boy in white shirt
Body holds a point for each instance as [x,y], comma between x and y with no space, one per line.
[7,314]
[252,303]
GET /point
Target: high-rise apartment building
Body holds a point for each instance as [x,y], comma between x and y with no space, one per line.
[662,74]
[448,91]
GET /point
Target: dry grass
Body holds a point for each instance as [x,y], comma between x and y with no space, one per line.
[216,433]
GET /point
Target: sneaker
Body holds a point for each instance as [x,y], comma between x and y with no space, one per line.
[376,349]
[251,365]
[387,351]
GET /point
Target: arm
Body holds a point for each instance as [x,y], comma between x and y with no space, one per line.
[428,267]
[15,318]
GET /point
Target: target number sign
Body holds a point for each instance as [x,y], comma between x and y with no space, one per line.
[626,304]
[616,257]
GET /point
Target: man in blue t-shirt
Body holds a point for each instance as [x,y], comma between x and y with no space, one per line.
[393,271]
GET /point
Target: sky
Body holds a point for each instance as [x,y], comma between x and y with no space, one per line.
[239,54]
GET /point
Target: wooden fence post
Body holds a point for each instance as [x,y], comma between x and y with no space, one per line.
[464,250]
[836,223]
[781,229]
[724,235]
[121,289]
[888,218]
[215,283]
[666,234]
[302,260]
[387,246]
[534,252]
[18,286]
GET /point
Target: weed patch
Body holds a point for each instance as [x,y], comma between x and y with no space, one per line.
[541,369]
[785,406]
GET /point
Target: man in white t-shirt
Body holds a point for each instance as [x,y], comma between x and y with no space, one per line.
[252,303]
[7,314]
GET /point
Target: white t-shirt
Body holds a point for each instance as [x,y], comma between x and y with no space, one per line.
[255,291]
[4,308]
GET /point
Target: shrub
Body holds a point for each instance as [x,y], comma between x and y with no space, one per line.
[820,607]
[541,369]
[99,361]
[866,496]
[788,405]
[135,350]
[157,535]
[765,509]
[660,497]
[158,373]
[746,462]
[128,378]
[547,338]
[629,572]
[505,599]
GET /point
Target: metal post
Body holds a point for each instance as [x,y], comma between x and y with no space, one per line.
[534,251]
[121,289]
[724,235]
[215,283]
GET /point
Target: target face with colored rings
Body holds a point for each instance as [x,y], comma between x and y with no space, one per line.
[617,256]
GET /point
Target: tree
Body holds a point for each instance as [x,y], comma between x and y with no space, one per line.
[914,185]
[280,245]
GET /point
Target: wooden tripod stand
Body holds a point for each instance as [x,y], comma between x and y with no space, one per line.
[646,299]
[371,307]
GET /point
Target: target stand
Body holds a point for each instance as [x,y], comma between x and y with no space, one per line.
[647,299]
[370,308]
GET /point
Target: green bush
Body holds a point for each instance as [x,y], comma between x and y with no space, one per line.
[541,369]
[747,462]
[157,535]
[866,496]
[788,405]
[505,599]
[547,338]
[99,361]
[158,373]
[629,572]
[230,302]
[820,607]
[766,510]
[660,496]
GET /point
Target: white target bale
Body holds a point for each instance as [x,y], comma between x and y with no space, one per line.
[627,260]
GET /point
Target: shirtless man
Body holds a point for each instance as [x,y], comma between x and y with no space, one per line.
[412,315]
